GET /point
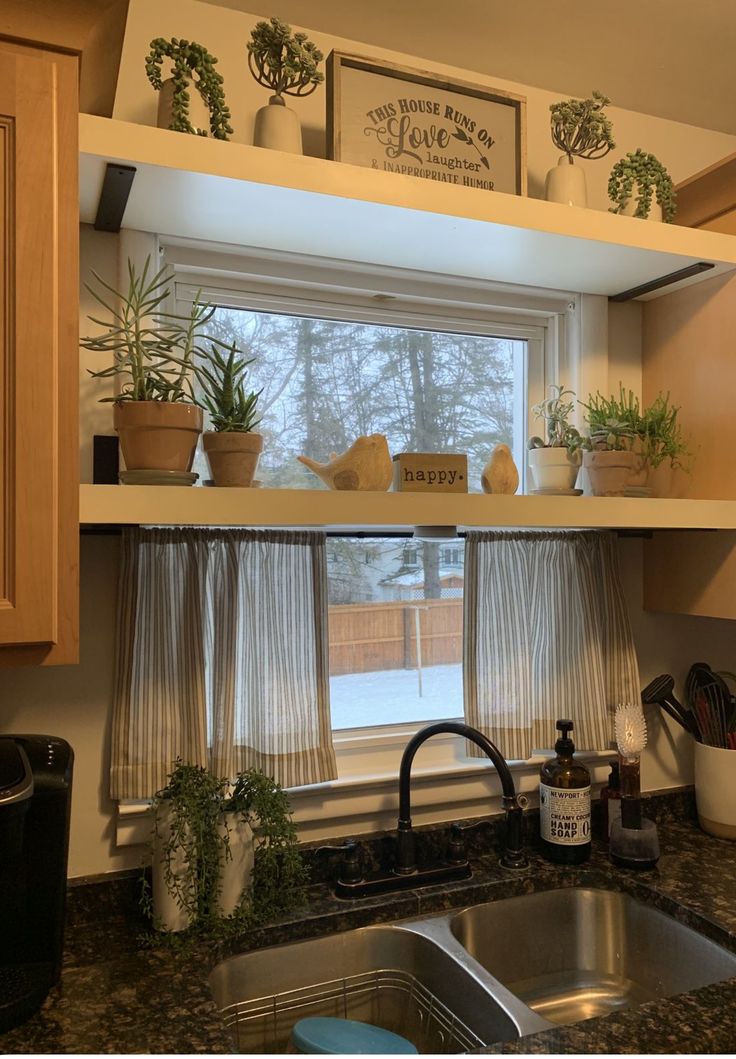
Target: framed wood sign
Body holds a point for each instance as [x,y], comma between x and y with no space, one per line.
[398,120]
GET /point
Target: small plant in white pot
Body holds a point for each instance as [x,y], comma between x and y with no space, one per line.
[287,64]
[152,353]
[203,110]
[554,462]
[580,129]
[636,181]
[608,458]
[232,447]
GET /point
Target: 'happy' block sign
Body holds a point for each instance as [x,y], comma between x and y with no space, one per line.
[430,472]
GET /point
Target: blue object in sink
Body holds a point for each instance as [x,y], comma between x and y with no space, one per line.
[330,1036]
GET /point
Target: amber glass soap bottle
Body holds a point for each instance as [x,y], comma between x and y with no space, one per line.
[564,803]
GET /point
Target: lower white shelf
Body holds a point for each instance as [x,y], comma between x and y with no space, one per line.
[200,506]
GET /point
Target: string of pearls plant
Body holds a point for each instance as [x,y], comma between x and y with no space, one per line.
[650,177]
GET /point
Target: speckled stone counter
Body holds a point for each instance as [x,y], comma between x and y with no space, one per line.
[115,998]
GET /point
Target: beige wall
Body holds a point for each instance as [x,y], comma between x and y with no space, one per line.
[74,702]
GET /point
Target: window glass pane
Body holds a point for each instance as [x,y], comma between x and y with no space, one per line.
[396,623]
[326,382]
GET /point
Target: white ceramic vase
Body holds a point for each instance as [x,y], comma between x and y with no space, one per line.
[199,114]
[236,868]
[715,790]
[553,470]
[277,127]
[566,184]
[168,913]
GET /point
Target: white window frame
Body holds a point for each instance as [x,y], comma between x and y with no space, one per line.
[446,784]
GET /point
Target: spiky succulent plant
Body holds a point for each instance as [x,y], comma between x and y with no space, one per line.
[222,378]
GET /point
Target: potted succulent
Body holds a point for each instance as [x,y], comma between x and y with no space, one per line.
[635,181]
[192,65]
[220,851]
[232,447]
[580,129]
[609,456]
[555,462]
[152,353]
[287,64]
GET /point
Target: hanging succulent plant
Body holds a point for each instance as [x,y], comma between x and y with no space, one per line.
[192,64]
[643,174]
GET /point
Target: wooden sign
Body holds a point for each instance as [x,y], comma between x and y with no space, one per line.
[430,472]
[406,121]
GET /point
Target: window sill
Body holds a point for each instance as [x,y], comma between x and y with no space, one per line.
[362,803]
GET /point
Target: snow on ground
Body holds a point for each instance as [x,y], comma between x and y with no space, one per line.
[392,696]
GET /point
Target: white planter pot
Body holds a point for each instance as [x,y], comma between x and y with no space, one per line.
[629,207]
[715,790]
[277,127]
[609,472]
[566,183]
[168,913]
[199,114]
[554,469]
[236,870]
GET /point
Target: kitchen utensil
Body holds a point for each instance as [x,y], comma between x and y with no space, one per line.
[659,692]
[711,700]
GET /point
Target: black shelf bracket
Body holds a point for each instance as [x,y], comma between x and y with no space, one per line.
[114,197]
[663,281]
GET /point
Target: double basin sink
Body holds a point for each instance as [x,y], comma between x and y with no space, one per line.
[492,972]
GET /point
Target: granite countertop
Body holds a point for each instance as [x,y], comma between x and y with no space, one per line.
[116,998]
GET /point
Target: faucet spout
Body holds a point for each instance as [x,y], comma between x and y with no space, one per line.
[513,854]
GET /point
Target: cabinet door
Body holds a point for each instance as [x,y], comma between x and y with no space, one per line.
[38,356]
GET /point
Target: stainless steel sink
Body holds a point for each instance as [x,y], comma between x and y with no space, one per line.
[574,953]
[414,979]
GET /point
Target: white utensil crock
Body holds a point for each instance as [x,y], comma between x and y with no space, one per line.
[715,790]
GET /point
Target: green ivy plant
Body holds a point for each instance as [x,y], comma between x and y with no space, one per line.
[222,378]
[580,128]
[283,62]
[555,411]
[192,64]
[152,350]
[650,177]
[197,802]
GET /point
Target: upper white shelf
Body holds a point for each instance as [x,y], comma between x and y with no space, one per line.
[198,506]
[199,188]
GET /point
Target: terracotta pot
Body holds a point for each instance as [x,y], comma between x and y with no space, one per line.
[158,435]
[566,183]
[277,127]
[232,456]
[609,472]
[554,469]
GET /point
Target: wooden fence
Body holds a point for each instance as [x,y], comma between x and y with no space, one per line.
[367,637]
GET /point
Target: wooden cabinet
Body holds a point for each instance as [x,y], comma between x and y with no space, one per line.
[689,349]
[39,377]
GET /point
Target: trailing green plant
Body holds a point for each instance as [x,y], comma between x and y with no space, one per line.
[555,410]
[650,177]
[189,59]
[285,63]
[661,434]
[197,804]
[222,378]
[152,350]
[580,128]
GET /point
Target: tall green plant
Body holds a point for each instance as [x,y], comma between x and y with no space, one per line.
[152,349]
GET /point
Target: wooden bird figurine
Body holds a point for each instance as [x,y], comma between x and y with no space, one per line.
[500,474]
[365,465]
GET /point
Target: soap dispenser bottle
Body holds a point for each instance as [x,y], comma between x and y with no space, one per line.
[564,803]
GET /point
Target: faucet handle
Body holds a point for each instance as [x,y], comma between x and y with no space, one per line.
[456,852]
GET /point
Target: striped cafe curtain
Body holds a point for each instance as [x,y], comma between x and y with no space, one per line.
[547,635]
[221,657]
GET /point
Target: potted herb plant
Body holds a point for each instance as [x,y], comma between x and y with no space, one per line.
[199,112]
[609,456]
[555,462]
[635,182]
[232,447]
[287,64]
[580,129]
[152,353]
[221,852]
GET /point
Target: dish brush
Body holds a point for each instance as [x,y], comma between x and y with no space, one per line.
[633,841]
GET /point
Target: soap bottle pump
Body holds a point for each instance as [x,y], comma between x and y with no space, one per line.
[564,803]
